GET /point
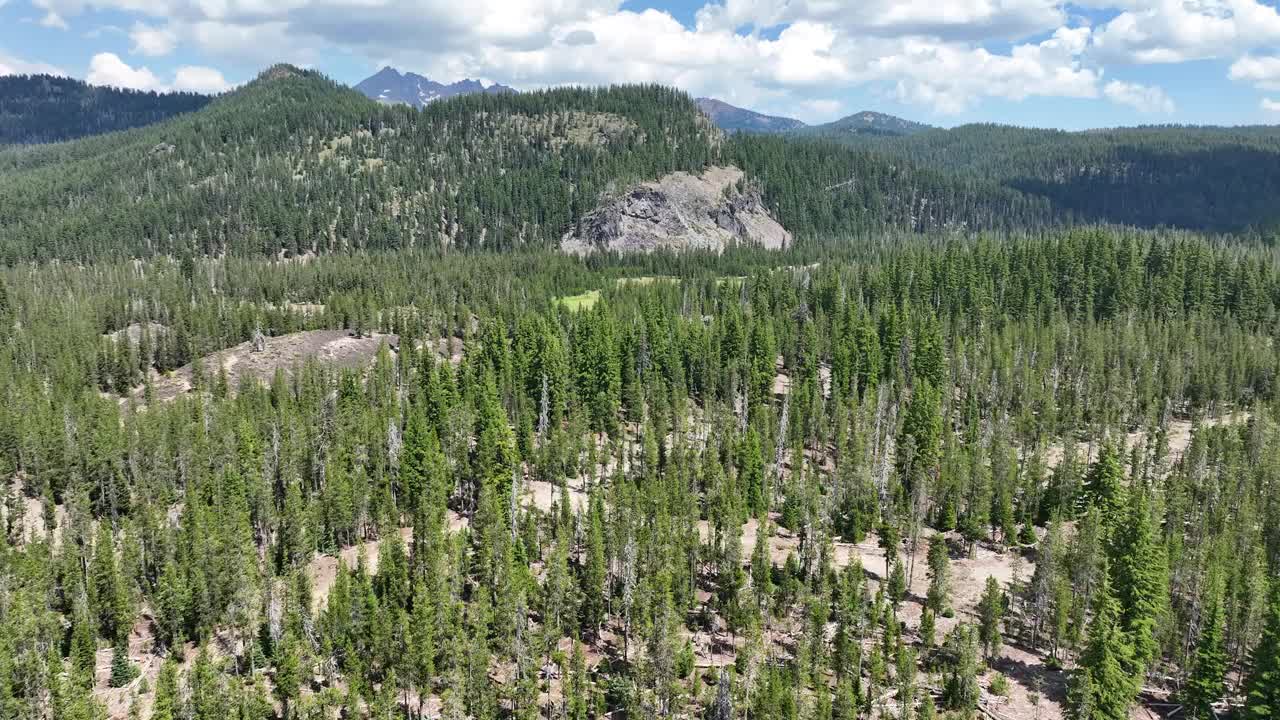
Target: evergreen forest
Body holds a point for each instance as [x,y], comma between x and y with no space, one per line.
[304,417]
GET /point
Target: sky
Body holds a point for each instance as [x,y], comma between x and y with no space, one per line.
[1095,63]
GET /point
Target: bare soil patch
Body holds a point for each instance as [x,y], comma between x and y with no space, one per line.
[1178,438]
[339,348]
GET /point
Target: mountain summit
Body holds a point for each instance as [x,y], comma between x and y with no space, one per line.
[869,122]
[388,85]
[736,119]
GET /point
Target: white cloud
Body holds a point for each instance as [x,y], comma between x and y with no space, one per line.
[152,41]
[772,55]
[951,78]
[190,78]
[950,20]
[108,69]
[1270,105]
[53,20]
[10,65]
[1173,31]
[1143,98]
[1263,72]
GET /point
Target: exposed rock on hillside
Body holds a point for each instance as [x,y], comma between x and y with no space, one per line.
[680,212]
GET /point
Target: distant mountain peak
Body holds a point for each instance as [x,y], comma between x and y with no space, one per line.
[871,122]
[390,86]
[280,71]
[735,119]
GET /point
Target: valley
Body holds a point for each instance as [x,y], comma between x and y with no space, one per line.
[434,400]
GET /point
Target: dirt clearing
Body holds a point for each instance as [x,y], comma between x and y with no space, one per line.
[338,348]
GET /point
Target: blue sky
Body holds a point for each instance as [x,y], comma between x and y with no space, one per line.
[1030,62]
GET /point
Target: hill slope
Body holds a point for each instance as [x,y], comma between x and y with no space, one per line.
[1200,178]
[736,119]
[388,85]
[868,124]
[45,108]
[294,162]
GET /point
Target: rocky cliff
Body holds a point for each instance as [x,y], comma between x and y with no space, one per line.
[679,212]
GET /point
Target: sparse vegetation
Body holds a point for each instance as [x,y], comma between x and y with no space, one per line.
[1022,476]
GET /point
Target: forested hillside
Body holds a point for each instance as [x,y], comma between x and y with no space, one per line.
[1203,178]
[821,189]
[294,164]
[910,477]
[45,108]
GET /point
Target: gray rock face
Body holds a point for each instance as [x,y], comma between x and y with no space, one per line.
[679,212]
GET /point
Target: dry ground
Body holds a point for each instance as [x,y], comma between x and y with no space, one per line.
[339,348]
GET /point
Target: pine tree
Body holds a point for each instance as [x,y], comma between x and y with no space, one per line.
[110,596]
[1206,685]
[1102,687]
[420,464]
[165,706]
[422,642]
[122,671]
[595,574]
[1138,575]
[939,560]
[1104,485]
[990,616]
[1262,689]
[288,675]
[960,687]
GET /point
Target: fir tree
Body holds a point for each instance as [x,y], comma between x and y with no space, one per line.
[1102,687]
[1138,575]
[1262,689]
[990,616]
[1209,668]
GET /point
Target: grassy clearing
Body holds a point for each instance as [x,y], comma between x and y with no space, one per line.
[647,280]
[585,301]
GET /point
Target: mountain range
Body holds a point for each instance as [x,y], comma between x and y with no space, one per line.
[867,123]
[294,163]
[390,86]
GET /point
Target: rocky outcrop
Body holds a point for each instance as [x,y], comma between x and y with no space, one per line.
[679,212]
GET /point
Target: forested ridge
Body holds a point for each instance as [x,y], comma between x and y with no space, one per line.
[296,164]
[1219,179]
[911,477]
[45,108]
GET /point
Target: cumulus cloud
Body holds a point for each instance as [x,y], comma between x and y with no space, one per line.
[775,55]
[1173,31]
[10,65]
[1270,105]
[152,41]
[109,70]
[1263,72]
[951,77]
[1143,98]
[952,20]
[194,78]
